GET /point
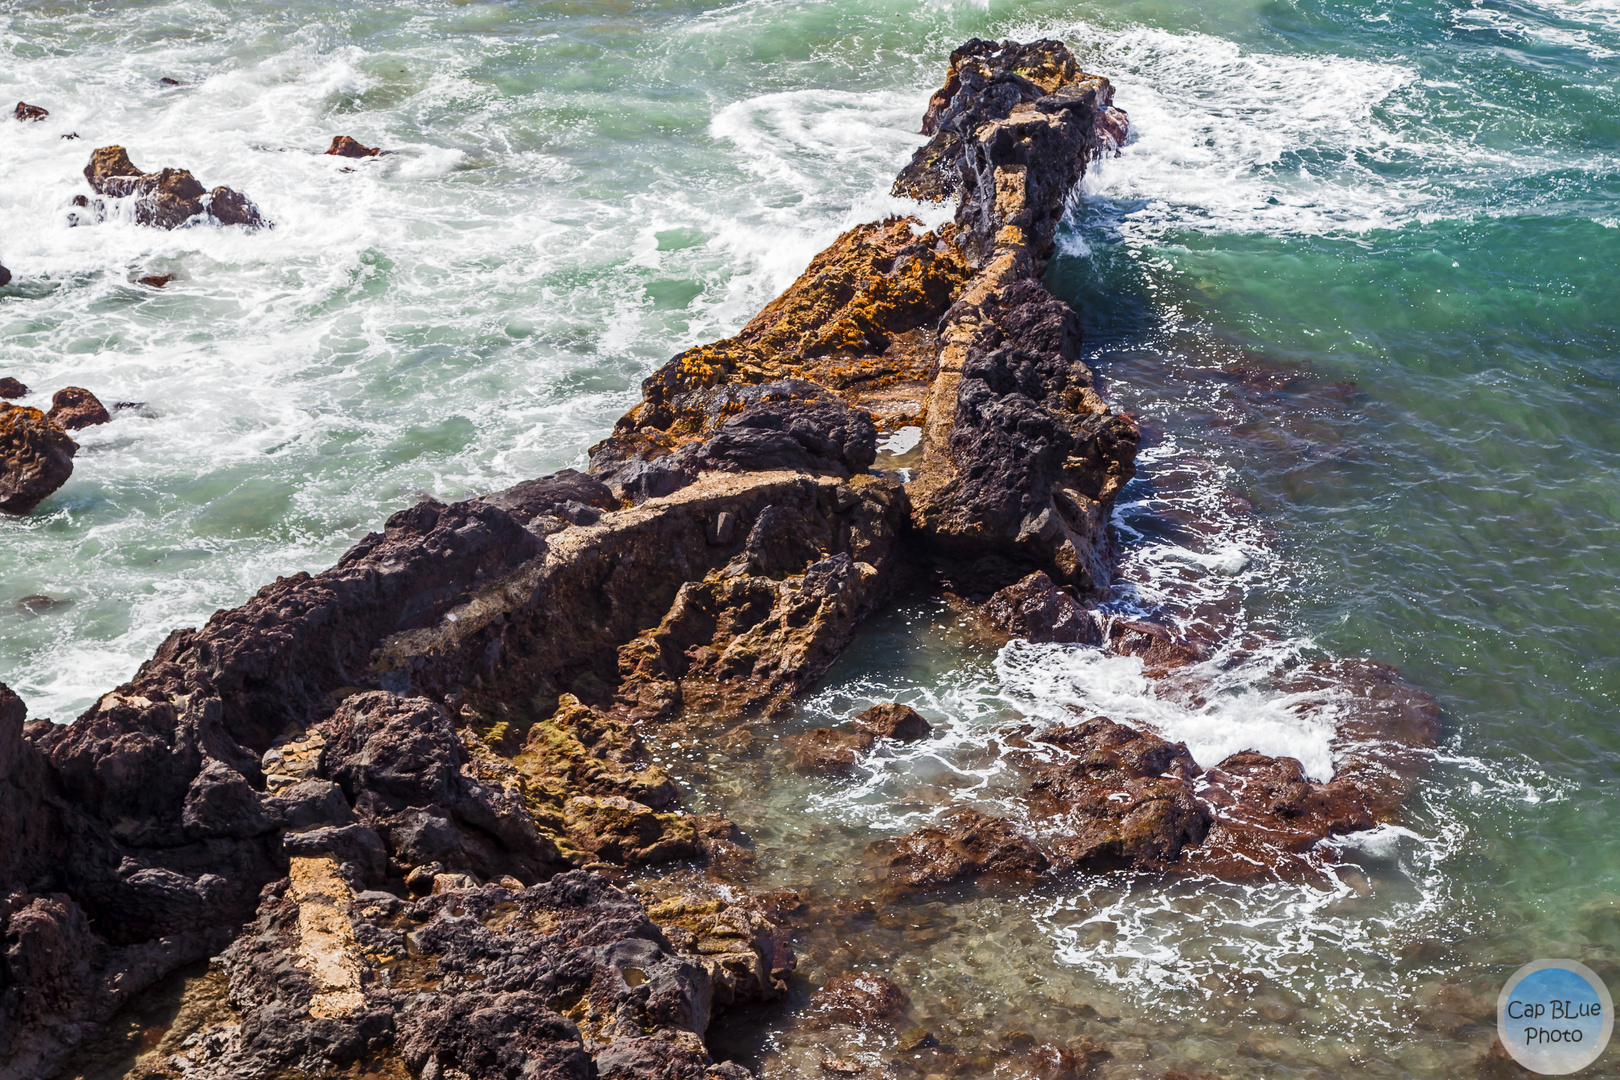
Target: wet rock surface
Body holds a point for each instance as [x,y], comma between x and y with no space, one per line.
[1035,609]
[75,407]
[26,112]
[168,198]
[36,458]
[11,388]
[344,146]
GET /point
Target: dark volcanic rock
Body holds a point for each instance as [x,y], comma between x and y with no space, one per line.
[5,277]
[1037,610]
[488,983]
[965,844]
[1116,797]
[343,146]
[25,111]
[36,458]
[1031,460]
[11,388]
[168,198]
[75,407]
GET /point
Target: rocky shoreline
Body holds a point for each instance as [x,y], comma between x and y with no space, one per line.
[391,805]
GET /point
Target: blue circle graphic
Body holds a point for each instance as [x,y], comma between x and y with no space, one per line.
[1555,1016]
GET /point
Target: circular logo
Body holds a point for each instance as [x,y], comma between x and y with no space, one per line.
[1555,1016]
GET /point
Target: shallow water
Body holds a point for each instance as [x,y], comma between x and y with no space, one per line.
[1358,272]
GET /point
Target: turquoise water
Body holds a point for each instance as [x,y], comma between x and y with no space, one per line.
[1358,272]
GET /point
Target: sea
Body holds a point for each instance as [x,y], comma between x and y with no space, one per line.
[1356,271]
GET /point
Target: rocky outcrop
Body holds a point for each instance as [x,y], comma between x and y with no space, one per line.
[343,146]
[26,112]
[75,407]
[11,388]
[36,458]
[565,979]
[168,198]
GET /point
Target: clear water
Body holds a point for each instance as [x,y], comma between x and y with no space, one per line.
[1358,272]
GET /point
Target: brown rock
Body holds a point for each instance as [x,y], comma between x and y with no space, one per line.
[5,277]
[893,721]
[1118,797]
[1156,645]
[75,407]
[156,281]
[11,388]
[1268,816]
[1037,610]
[860,998]
[829,751]
[965,844]
[343,146]
[36,458]
[25,111]
[168,198]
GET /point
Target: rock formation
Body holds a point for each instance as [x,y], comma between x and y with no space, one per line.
[343,146]
[168,198]
[387,799]
[75,407]
[36,458]
[11,388]
[25,111]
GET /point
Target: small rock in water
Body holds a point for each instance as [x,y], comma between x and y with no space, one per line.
[1037,610]
[891,721]
[39,605]
[71,135]
[156,281]
[166,81]
[861,998]
[25,111]
[829,751]
[5,277]
[343,146]
[75,407]
[11,388]
[36,458]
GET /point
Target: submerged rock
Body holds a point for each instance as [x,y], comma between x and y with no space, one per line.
[343,146]
[963,845]
[75,407]
[168,198]
[891,721]
[25,112]
[36,458]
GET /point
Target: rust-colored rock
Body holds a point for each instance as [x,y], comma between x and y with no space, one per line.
[1037,610]
[862,998]
[1268,816]
[964,844]
[343,146]
[892,721]
[168,198]
[25,111]
[11,388]
[75,407]
[36,458]
[1115,797]
[828,751]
